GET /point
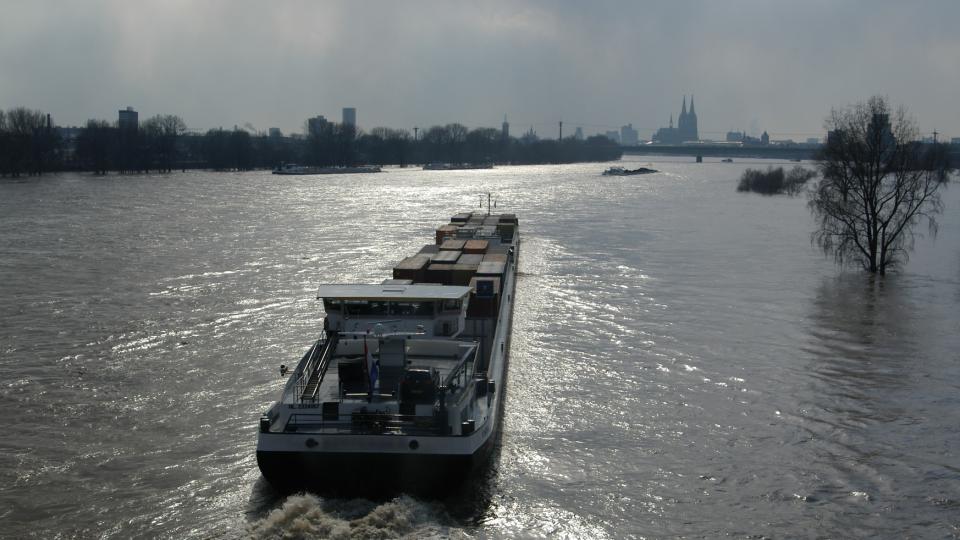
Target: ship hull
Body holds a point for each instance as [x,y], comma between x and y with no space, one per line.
[370,474]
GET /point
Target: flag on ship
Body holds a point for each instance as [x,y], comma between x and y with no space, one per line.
[373,367]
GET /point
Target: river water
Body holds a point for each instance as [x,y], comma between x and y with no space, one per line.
[684,362]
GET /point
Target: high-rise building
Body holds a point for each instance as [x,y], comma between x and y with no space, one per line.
[505,129]
[613,135]
[350,116]
[128,119]
[629,136]
[316,124]
[275,133]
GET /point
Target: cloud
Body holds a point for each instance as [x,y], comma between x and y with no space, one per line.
[601,65]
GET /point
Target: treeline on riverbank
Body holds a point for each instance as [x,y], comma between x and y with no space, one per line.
[30,144]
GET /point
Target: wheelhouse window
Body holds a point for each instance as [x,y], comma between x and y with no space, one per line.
[383,308]
[412,309]
[451,305]
[364,308]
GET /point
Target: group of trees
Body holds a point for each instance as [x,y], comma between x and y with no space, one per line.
[28,142]
[775,181]
[454,143]
[155,145]
[877,182]
[337,144]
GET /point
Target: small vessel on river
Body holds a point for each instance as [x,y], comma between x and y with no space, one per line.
[403,389]
[456,166]
[294,169]
[620,171]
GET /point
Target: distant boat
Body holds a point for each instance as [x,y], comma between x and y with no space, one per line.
[726,160]
[293,168]
[456,166]
[620,171]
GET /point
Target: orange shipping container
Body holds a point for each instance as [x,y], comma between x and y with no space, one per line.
[476,246]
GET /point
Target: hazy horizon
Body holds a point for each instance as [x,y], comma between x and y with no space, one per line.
[752,65]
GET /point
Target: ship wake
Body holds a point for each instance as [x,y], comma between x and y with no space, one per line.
[308,516]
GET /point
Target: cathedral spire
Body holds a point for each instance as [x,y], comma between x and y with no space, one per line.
[683,111]
[671,120]
[692,111]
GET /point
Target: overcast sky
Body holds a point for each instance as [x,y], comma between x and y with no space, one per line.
[752,65]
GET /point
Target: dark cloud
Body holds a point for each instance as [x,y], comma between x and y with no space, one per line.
[775,65]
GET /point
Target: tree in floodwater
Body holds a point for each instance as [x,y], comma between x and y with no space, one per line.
[94,145]
[775,181]
[28,142]
[877,183]
[162,133]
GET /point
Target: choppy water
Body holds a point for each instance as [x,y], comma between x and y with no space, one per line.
[684,363]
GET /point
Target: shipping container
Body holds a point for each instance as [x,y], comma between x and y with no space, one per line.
[429,251]
[412,268]
[447,257]
[476,246]
[461,274]
[460,218]
[485,297]
[490,268]
[440,273]
[452,244]
[469,258]
[495,257]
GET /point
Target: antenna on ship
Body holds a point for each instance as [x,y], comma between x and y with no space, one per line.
[488,203]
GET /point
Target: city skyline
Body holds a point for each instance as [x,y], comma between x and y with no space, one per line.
[753,66]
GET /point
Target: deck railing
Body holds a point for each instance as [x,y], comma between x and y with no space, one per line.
[309,379]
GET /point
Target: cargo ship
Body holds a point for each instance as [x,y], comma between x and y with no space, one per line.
[403,389]
[294,169]
[456,166]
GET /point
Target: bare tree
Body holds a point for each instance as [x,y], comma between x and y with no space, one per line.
[31,144]
[163,132]
[94,145]
[877,183]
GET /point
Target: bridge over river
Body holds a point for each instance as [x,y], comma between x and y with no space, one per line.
[732,151]
[719,150]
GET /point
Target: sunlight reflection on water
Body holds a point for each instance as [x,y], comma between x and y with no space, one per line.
[682,363]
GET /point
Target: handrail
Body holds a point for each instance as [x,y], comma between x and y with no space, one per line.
[317,363]
[324,362]
[461,366]
[303,376]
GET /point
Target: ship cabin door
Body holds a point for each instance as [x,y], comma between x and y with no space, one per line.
[393,359]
